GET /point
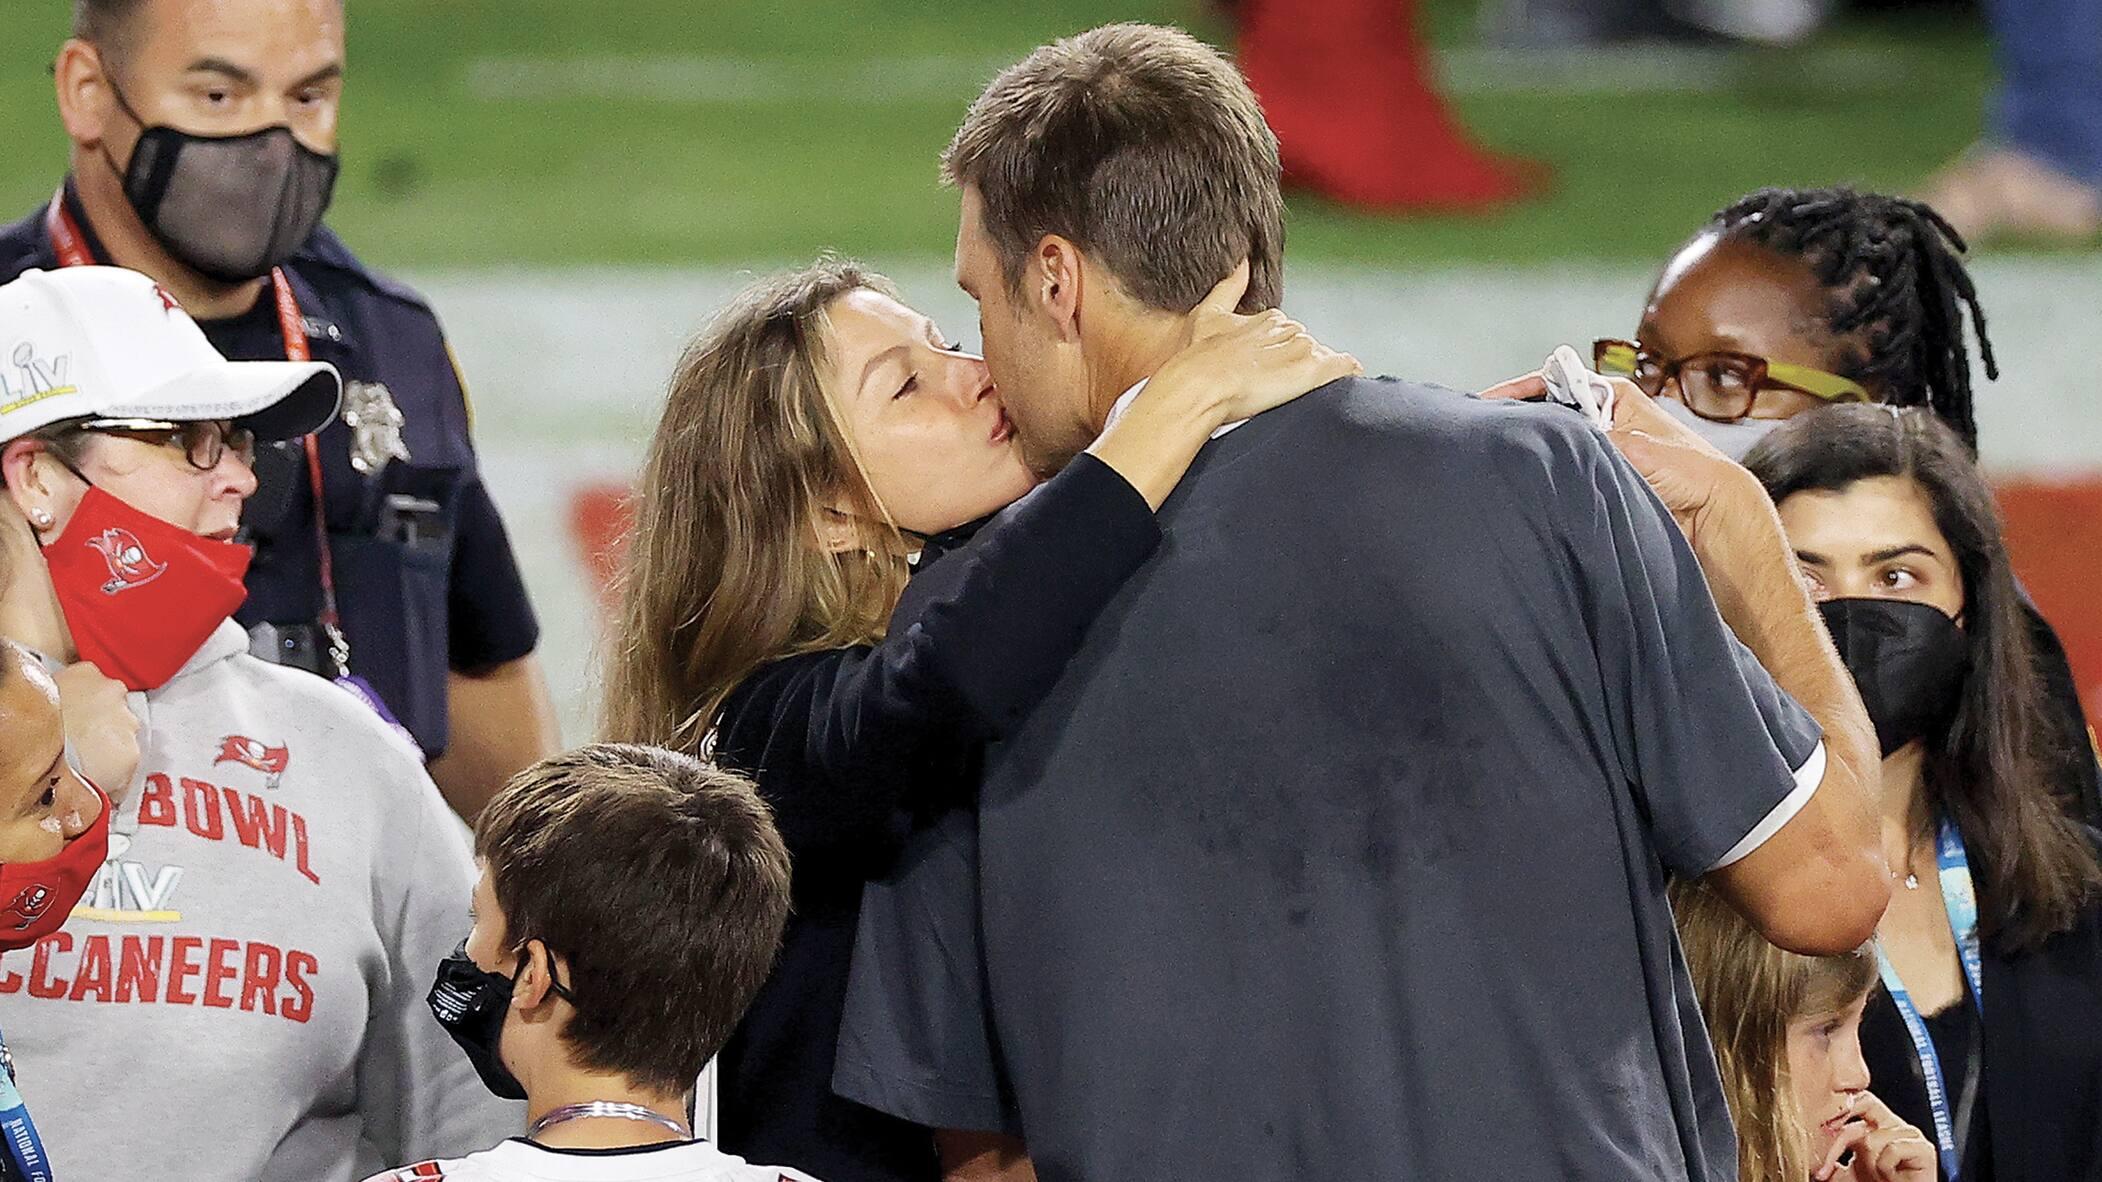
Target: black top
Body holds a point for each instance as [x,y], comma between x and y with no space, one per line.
[849,745]
[425,576]
[1340,847]
[1958,1036]
[2039,1114]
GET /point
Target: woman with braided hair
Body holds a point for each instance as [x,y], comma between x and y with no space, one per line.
[1791,299]
[1846,296]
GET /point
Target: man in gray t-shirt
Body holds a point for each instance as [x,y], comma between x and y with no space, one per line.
[1340,848]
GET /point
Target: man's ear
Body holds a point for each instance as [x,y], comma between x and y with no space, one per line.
[86,104]
[1056,276]
[532,984]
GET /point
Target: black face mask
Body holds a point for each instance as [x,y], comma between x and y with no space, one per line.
[471,1002]
[228,207]
[1908,660]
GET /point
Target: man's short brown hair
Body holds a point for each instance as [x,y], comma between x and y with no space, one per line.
[1143,146]
[660,880]
[103,20]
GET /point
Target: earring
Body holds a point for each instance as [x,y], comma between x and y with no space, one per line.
[40,518]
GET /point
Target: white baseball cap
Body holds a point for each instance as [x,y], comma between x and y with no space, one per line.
[103,342]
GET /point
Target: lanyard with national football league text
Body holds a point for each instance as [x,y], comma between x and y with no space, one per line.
[71,246]
[19,1142]
[1960,900]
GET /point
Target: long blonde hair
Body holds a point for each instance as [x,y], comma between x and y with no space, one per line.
[1749,992]
[724,569]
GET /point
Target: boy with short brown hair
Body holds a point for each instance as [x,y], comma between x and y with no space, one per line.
[629,905]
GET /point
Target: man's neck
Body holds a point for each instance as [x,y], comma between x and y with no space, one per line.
[602,1132]
[1134,353]
[126,243]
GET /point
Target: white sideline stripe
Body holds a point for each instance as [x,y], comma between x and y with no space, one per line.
[722,80]
[699,79]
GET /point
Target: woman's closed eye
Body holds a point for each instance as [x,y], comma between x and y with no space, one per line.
[912,383]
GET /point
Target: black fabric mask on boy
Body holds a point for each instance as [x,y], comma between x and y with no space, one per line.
[1908,660]
[228,207]
[471,1002]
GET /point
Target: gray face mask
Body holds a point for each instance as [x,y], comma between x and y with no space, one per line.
[1734,440]
[228,207]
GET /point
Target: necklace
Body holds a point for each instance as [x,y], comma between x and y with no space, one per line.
[569,1112]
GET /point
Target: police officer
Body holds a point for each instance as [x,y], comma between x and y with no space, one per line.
[204,154]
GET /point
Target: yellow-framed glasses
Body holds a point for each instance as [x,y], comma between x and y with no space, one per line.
[1720,386]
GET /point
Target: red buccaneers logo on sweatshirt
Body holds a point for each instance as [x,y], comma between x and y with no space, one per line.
[129,564]
[253,753]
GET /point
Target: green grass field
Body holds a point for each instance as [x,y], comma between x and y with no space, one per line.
[485,133]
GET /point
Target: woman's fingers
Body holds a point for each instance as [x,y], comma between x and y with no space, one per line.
[1874,1113]
[1899,1152]
[1215,312]
[1532,385]
[1902,1155]
[1852,1136]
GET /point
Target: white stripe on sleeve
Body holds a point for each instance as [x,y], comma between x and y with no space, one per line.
[1807,778]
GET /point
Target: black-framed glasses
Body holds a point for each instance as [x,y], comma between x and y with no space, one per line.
[1719,386]
[203,442]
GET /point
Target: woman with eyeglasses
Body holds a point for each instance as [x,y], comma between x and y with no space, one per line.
[1793,299]
[1988,1033]
[240,992]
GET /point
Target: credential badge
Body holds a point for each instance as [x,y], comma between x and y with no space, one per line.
[375,426]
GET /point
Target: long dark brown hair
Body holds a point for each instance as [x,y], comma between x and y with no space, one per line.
[724,571]
[1990,770]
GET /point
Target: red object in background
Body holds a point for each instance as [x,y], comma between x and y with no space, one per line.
[599,516]
[1346,84]
[2054,534]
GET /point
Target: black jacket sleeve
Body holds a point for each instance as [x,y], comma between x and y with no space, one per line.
[842,741]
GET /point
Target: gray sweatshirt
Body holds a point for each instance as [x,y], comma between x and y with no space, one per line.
[240,995]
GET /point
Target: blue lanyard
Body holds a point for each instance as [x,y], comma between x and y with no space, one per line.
[1960,899]
[18,1137]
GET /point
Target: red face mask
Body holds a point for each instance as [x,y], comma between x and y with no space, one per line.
[36,897]
[140,595]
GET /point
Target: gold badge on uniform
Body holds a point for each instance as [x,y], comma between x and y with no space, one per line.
[375,426]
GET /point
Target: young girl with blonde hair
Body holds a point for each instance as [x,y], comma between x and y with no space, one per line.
[1787,1036]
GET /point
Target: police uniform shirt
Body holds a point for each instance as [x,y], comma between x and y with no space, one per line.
[425,577]
[1340,847]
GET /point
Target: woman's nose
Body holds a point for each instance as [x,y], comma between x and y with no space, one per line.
[80,807]
[235,475]
[969,381]
[1850,1070]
